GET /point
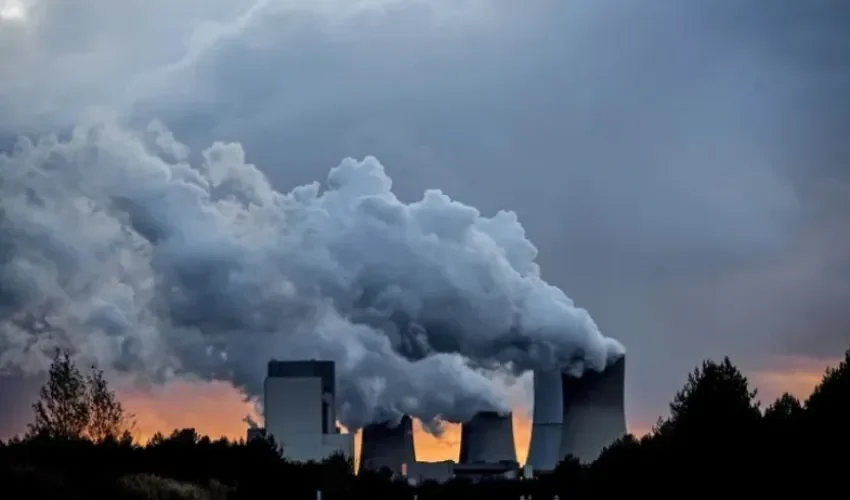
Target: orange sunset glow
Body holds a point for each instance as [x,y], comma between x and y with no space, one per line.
[795,375]
[216,409]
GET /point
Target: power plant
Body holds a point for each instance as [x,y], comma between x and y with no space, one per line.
[594,412]
[300,410]
[388,445]
[488,438]
[576,416]
[547,421]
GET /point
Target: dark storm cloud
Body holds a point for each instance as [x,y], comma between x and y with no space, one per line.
[17,394]
[681,166]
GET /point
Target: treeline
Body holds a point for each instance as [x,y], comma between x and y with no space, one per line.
[717,439]
[80,446]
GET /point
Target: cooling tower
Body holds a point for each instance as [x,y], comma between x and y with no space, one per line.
[488,438]
[594,411]
[547,421]
[385,445]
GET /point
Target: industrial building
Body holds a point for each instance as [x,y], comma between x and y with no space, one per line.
[300,411]
[486,450]
[547,421]
[594,411]
[420,472]
[576,416]
[388,445]
[488,438]
[256,433]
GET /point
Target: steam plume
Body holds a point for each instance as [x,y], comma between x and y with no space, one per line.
[156,262]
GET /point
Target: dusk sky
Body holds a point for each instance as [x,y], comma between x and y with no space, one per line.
[681,166]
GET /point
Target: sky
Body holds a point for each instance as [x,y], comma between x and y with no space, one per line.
[680,165]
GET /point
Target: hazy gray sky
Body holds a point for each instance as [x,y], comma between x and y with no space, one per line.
[682,165]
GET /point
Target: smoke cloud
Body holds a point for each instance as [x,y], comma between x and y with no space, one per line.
[681,166]
[151,260]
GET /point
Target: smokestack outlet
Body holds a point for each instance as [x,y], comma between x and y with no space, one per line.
[488,438]
[386,446]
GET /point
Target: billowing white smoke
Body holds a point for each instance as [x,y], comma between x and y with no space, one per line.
[153,261]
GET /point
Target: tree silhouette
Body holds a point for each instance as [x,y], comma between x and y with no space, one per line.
[827,413]
[62,410]
[713,429]
[716,398]
[829,403]
[784,411]
[107,418]
[569,476]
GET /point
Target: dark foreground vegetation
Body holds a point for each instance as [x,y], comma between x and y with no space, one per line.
[717,440]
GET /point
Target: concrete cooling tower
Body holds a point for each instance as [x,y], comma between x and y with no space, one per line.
[387,446]
[594,411]
[488,438]
[547,421]
[576,416]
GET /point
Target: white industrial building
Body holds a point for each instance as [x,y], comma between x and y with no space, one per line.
[300,411]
